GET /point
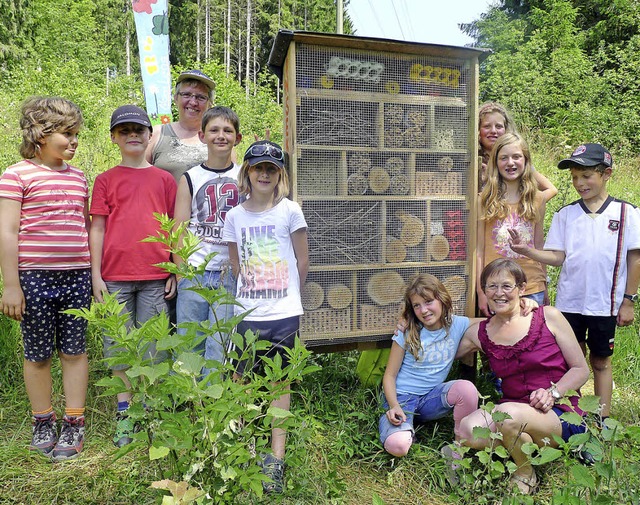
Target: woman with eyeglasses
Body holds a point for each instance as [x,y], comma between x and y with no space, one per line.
[176,147]
[540,363]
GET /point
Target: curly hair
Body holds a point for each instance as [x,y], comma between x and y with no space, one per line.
[43,116]
[428,287]
[492,198]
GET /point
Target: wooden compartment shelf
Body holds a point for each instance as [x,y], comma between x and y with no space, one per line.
[382,138]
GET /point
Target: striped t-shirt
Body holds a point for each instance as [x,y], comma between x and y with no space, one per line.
[52,233]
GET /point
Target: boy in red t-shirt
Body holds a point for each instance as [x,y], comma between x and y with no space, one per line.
[123,202]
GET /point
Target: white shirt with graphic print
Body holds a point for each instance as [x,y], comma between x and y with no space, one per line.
[268,281]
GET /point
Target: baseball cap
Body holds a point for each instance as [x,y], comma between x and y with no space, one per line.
[129,114]
[265,151]
[198,76]
[588,155]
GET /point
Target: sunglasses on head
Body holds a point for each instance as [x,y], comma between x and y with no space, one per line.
[264,150]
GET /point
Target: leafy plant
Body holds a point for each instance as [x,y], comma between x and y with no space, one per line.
[484,473]
[206,433]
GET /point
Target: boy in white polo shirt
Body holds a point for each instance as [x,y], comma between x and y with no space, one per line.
[597,241]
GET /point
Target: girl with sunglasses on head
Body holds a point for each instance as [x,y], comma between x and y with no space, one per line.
[268,250]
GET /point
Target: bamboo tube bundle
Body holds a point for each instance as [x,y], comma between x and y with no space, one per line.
[312,295]
[385,288]
[339,296]
[399,184]
[394,114]
[445,163]
[359,163]
[357,184]
[394,166]
[393,137]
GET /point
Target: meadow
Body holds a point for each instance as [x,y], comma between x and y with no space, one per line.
[335,455]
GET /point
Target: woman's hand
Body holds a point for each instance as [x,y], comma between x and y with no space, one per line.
[396,415]
[542,399]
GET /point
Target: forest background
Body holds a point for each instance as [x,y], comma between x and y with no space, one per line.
[567,69]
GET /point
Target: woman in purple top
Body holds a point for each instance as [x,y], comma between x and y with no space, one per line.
[538,359]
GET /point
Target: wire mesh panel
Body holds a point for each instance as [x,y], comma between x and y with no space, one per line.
[382,137]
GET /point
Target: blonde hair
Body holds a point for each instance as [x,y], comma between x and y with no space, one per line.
[281,190]
[43,116]
[427,286]
[492,197]
[491,108]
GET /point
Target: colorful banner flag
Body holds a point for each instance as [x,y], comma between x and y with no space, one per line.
[152,26]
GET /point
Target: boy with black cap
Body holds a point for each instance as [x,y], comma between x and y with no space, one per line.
[597,241]
[123,202]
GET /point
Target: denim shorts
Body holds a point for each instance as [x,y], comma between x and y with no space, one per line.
[428,407]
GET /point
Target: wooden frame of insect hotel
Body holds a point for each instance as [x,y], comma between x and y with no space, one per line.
[382,138]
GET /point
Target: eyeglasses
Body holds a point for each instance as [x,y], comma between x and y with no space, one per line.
[188,96]
[506,288]
[264,150]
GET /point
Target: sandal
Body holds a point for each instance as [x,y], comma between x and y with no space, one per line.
[527,486]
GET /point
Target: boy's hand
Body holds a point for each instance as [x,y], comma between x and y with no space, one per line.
[516,243]
[98,287]
[170,287]
[396,415]
[12,302]
[625,314]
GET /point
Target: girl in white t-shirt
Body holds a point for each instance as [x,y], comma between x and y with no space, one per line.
[267,237]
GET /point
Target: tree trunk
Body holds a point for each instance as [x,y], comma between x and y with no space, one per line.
[247,76]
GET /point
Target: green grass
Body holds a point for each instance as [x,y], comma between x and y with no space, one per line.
[341,460]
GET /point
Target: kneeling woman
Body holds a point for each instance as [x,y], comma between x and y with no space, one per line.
[538,359]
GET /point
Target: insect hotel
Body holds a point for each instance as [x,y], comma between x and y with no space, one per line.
[382,137]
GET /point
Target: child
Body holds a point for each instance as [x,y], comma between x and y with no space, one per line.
[267,236]
[493,122]
[205,194]
[44,258]
[419,362]
[510,200]
[123,202]
[597,241]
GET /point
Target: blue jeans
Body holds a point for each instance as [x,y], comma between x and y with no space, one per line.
[433,405]
[191,307]
[537,297]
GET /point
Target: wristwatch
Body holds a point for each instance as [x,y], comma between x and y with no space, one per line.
[633,297]
[554,392]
